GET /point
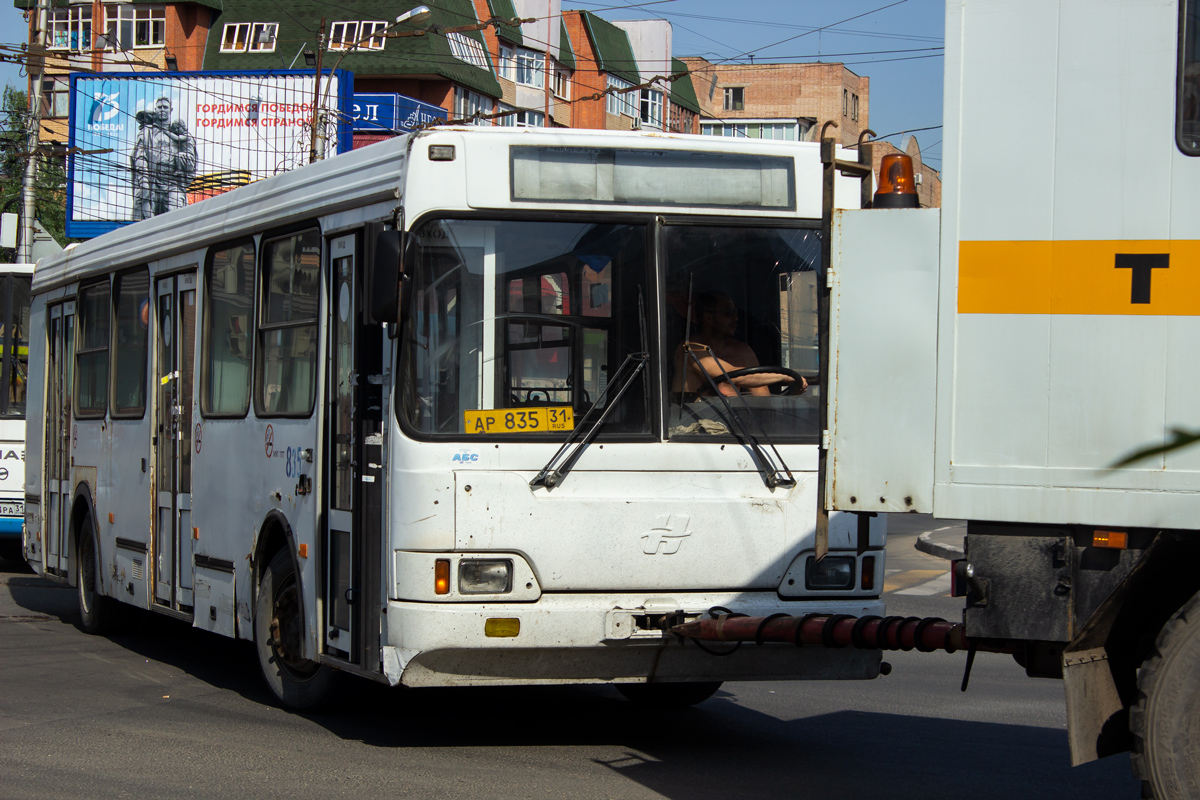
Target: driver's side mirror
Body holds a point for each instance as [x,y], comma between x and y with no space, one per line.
[387,282]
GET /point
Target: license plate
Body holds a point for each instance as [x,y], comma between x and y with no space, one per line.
[12,509]
[519,420]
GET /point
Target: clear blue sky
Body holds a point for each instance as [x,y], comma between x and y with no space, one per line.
[894,42]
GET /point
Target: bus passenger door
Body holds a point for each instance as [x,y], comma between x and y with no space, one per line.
[175,350]
[58,421]
[354,476]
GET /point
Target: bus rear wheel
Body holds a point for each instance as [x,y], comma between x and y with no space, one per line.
[97,613]
[1166,718]
[278,635]
[668,695]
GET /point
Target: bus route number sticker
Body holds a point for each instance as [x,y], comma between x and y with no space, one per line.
[519,420]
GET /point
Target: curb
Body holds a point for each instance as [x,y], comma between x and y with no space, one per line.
[926,545]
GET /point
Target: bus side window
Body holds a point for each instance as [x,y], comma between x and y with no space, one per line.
[91,356]
[287,331]
[131,297]
[228,311]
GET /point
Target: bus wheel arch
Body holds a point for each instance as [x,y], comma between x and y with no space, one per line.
[97,612]
[83,510]
[279,621]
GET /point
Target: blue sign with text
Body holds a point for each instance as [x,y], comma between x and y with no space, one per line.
[392,113]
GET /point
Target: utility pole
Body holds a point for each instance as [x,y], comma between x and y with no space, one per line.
[37,62]
[318,121]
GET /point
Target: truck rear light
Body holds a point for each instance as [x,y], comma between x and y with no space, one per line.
[897,188]
[1116,540]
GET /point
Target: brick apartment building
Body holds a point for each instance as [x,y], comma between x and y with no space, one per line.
[780,101]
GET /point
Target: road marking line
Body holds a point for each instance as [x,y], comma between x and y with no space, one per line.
[939,585]
[910,577]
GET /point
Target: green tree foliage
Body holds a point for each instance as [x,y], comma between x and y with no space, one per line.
[50,188]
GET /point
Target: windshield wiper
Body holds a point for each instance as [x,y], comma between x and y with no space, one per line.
[565,457]
[772,475]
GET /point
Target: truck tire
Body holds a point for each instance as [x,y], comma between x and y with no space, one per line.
[278,630]
[1166,718]
[668,695]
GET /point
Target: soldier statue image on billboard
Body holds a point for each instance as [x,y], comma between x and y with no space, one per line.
[163,161]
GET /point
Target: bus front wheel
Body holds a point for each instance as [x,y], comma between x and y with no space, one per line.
[1165,722]
[668,695]
[278,635]
[97,613]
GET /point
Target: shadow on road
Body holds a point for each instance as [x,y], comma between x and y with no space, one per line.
[721,749]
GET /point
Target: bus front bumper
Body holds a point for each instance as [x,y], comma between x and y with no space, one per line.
[604,638]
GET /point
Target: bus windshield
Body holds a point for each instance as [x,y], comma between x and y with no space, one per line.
[518,315]
[14,367]
[521,315]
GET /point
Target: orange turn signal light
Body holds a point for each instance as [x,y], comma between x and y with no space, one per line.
[1117,540]
[441,576]
[897,187]
[867,581]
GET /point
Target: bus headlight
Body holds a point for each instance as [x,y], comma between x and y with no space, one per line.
[831,572]
[485,576]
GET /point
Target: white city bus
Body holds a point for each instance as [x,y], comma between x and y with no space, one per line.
[14,358]
[412,413]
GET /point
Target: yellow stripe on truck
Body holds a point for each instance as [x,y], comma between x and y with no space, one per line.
[1157,278]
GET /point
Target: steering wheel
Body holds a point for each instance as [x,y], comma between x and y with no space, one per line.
[783,388]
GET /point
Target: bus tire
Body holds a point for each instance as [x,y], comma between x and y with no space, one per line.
[1166,717]
[97,613]
[278,627]
[668,695]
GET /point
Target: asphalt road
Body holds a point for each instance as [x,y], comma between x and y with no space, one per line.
[167,711]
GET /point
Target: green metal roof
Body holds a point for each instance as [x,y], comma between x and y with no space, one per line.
[566,55]
[611,44]
[27,4]
[504,9]
[408,56]
[683,93]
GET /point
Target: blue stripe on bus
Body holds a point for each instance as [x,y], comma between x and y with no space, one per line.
[11,525]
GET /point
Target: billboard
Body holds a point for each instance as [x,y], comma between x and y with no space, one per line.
[381,112]
[144,143]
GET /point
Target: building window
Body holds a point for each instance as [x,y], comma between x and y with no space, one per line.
[262,37]
[735,98]
[562,84]
[531,68]
[854,107]
[508,63]
[469,50]
[235,37]
[652,108]
[780,131]
[520,118]
[357,35]
[845,102]
[70,28]
[682,119]
[618,103]
[56,96]
[128,26]
[467,104]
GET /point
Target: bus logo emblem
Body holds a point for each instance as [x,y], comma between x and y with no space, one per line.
[667,535]
[269,440]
